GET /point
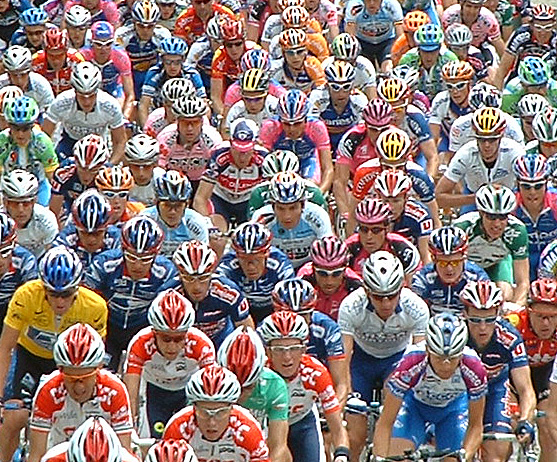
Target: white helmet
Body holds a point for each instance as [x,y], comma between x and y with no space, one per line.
[78,16]
[91,151]
[79,346]
[531,104]
[498,200]
[482,295]
[195,258]
[142,150]
[243,353]
[189,107]
[283,324]
[215,384]
[17,58]
[94,440]
[8,95]
[446,335]
[383,273]
[20,185]
[86,78]
[175,89]
[170,311]
[171,451]
[280,161]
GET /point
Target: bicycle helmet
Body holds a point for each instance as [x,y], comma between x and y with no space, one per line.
[60,269]
[346,47]
[392,183]
[287,188]
[372,211]
[33,17]
[531,168]
[86,78]
[22,111]
[293,106]
[340,72]
[409,74]
[544,125]
[290,39]
[429,37]
[446,335]
[251,238]
[295,294]
[481,295]
[255,80]
[531,104]
[91,211]
[94,441]
[294,17]
[283,4]
[177,88]
[543,290]
[171,312]
[457,71]
[489,122]
[231,30]
[329,252]
[393,146]
[79,346]
[392,90]
[91,152]
[7,230]
[498,200]
[172,186]
[281,325]
[8,95]
[383,273]
[115,178]
[458,35]
[484,95]
[378,114]
[243,353]
[171,451]
[142,235]
[257,58]
[413,20]
[280,161]
[213,29]
[233,5]
[146,12]
[448,240]
[141,149]
[213,384]
[20,185]
[195,258]
[533,70]
[173,46]
[17,59]
[55,39]
[77,16]
[542,12]
[189,108]
[102,31]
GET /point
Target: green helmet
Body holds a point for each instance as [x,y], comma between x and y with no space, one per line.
[22,111]
[429,37]
[533,70]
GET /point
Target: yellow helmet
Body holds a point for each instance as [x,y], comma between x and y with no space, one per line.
[255,80]
[489,122]
[393,146]
[392,90]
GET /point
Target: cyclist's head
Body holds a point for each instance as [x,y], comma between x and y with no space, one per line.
[79,347]
[446,338]
[115,183]
[243,133]
[86,78]
[377,115]
[23,112]
[329,252]
[544,126]
[283,326]
[543,21]
[346,47]
[171,451]
[172,186]
[176,89]
[287,193]
[7,233]
[102,33]
[7,96]
[243,353]
[409,74]
[458,77]
[372,214]
[145,13]
[531,168]
[542,303]
[534,73]
[78,17]
[483,301]
[173,46]
[94,441]
[256,58]
[458,38]
[414,20]
[448,247]
[292,39]
[495,203]
[394,146]
[484,95]
[295,17]
[293,107]
[393,187]
[171,313]
[527,108]
[233,31]
[91,213]
[383,277]
[141,149]
[20,186]
[251,238]
[90,153]
[17,63]
[142,238]
[429,37]
[33,17]
[254,83]
[280,161]
[489,125]
[56,40]
[394,91]
[194,258]
[213,384]
[61,271]
[190,112]
[296,295]
[213,32]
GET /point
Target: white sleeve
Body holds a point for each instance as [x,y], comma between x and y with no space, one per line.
[318,219]
[439,108]
[457,135]
[457,167]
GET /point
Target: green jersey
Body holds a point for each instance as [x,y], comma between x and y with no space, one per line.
[514,91]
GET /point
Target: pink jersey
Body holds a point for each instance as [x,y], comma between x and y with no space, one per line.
[234,92]
[355,148]
[485,28]
[107,10]
[156,122]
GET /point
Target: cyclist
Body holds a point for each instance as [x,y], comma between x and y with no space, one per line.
[33,26]
[405,42]
[77,20]
[78,388]
[285,334]
[201,52]
[9,16]
[440,283]
[378,321]
[458,38]
[543,127]
[161,358]
[7,95]
[193,22]
[170,10]
[499,241]
[256,267]
[100,10]
[264,392]
[445,362]
[327,16]
[411,76]
[86,110]
[130,278]
[501,349]
[36,225]
[218,302]
[56,61]
[88,233]
[178,222]
[296,131]
[38,312]
[25,146]
[527,108]
[294,223]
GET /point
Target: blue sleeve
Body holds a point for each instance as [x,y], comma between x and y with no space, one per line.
[333,340]
[172,279]
[224,268]
[419,126]
[195,77]
[419,283]
[422,184]
[95,276]
[29,267]
[18,37]
[285,270]
[150,83]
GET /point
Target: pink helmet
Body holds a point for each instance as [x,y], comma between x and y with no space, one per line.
[372,211]
[329,252]
[378,113]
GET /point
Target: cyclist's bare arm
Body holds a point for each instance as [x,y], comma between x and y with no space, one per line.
[521,272]
[126,440]
[278,441]
[473,438]
[424,249]
[340,180]
[38,442]
[418,338]
[127,108]
[202,197]
[132,382]
[338,432]
[384,426]
[348,343]
[119,139]
[522,382]
[430,153]
[248,322]
[340,373]
[143,110]
[446,198]
[48,127]
[507,61]
[326,160]
[217,90]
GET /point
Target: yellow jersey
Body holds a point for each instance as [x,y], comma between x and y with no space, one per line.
[38,326]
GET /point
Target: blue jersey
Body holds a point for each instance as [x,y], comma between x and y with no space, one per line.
[374,28]
[258,292]
[422,184]
[415,221]
[325,338]
[194,226]
[442,297]
[65,182]
[547,267]
[69,238]
[128,300]
[156,77]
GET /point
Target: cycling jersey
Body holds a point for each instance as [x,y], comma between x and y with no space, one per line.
[234,92]
[157,76]
[117,66]
[514,91]
[224,68]
[415,222]
[106,11]
[30,314]
[399,48]
[156,122]
[355,147]
[55,11]
[379,338]
[38,88]
[241,441]
[295,243]
[374,28]
[311,76]
[9,20]
[189,160]
[132,209]
[484,29]
[415,124]
[190,27]
[55,412]
[365,72]
[522,43]
[106,115]
[65,182]
[146,193]
[200,55]
[547,268]
[144,359]
[442,297]
[326,14]
[316,45]
[59,453]
[59,80]
[325,339]
[444,111]
[239,111]
[274,26]
[258,292]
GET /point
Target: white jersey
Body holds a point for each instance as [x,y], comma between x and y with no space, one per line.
[106,115]
[146,193]
[39,89]
[467,165]
[365,72]
[378,338]
[462,131]
[198,49]
[238,110]
[272,28]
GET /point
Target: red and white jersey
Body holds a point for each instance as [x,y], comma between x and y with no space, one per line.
[313,382]
[54,411]
[242,441]
[145,359]
[59,453]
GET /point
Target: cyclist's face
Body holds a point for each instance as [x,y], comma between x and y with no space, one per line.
[35,35]
[196,288]
[91,5]
[526,123]
[459,95]
[373,6]
[329,280]
[295,58]
[86,102]
[102,51]
[212,418]
[56,59]
[118,205]
[429,58]
[548,149]
[489,148]
[494,226]
[235,49]
[372,237]
[285,356]
[80,382]
[167,10]
[20,211]
[77,35]
[450,268]
[138,266]
[170,344]
[6,253]
[384,306]
[190,129]
[533,194]
[241,159]
[543,318]
[19,79]
[86,175]
[442,366]
[397,204]
[469,12]
[542,30]
[374,132]
[294,131]
[91,242]
[21,134]
[461,51]
[253,265]
[481,332]
[4,5]
[61,302]
[144,31]
[172,212]
[142,174]
[172,65]
[288,215]
[254,101]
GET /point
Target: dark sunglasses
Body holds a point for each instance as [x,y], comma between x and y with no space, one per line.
[371,229]
[21,128]
[113,194]
[385,297]
[479,320]
[61,294]
[496,216]
[234,44]
[528,186]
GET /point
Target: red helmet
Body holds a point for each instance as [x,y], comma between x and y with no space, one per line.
[79,346]
[232,30]
[543,291]
[481,295]
[94,441]
[170,311]
[194,258]
[171,451]
[55,39]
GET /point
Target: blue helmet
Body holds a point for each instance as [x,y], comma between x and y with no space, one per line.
[294,294]
[23,111]
[446,335]
[102,31]
[173,46]
[60,269]
[7,230]
[531,168]
[142,235]
[533,70]
[429,37]
[172,186]
[91,211]
[256,58]
[293,106]
[287,188]
[33,17]
[251,238]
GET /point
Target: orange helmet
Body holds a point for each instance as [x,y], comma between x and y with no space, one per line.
[114,178]
[414,19]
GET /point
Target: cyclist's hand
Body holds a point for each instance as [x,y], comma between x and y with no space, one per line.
[525,432]
[341,454]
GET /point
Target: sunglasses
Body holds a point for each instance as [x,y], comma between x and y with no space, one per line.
[21,128]
[400,108]
[7,251]
[172,205]
[234,44]
[118,194]
[172,62]
[254,99]
[133,258]
[201,2]
[451,263]
[528,186]
[299,51]
[479,320]
[456,86]
[446,359]
[371,229]
[217,413]
[385,297]
[543,26]
[332,273]
[193,278]
[76,378]
[81,28]
[285,349]
[103,44]
[496,216]
[61,294]
[171,338]
[26,203]
[347,86]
